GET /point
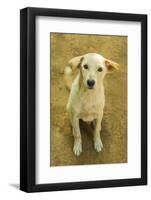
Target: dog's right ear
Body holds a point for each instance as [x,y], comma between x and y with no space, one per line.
[75,62]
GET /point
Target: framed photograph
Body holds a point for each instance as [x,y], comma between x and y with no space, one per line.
[83,99]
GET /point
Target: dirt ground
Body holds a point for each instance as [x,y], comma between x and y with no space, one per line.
[114,123]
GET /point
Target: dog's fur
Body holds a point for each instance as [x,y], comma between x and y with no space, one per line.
[87,99]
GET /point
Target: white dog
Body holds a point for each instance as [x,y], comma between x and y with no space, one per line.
[86,100]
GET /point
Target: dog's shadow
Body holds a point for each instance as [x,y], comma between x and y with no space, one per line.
[86,128]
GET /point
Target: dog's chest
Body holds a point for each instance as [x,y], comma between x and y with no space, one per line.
[90,106]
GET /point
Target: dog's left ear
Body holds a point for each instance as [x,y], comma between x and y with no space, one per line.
[111,65]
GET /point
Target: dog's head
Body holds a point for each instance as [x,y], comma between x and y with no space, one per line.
[93,68]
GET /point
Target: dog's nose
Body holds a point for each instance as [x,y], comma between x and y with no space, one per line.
[90,83]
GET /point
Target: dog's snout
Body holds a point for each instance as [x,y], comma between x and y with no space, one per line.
[90,83]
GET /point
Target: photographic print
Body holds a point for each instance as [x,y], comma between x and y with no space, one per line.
[83,99]
[88,99]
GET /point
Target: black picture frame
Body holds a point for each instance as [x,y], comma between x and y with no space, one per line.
[28,99]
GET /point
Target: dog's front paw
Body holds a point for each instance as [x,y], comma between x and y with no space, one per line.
[77,148]
[98,145]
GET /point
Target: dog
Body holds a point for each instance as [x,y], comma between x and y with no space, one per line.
[86,100]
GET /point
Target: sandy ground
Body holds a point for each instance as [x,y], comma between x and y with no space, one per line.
[114,124]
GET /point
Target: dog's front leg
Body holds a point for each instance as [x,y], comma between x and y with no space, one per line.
[77,147]
[97,139]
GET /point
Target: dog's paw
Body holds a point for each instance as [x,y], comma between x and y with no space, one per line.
[77,148]
[98,145]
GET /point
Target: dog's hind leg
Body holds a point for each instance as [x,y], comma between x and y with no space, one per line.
[93,124]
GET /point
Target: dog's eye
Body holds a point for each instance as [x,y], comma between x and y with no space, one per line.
[85,66]
[100,69]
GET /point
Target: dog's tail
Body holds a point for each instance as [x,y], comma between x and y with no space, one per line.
[68,77]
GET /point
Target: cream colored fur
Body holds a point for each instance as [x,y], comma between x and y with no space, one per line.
[84,102]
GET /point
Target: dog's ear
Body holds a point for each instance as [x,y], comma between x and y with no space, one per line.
[75,62]
[111,65]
